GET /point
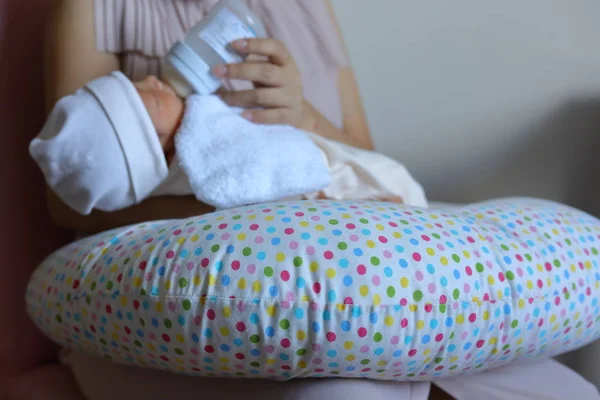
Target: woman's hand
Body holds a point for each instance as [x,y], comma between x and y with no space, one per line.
[278,89]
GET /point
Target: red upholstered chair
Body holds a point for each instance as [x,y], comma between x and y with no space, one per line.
[26,232]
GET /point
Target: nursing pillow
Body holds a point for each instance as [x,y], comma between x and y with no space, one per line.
[329,289]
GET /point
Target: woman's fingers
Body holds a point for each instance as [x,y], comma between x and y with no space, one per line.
[263,72]
[272,48]
[266,97]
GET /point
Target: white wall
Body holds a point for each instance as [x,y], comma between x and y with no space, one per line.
[484,99]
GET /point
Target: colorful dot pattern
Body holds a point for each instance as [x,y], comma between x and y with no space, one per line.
[329,289]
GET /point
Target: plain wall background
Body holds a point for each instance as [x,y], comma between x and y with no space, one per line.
[485,99]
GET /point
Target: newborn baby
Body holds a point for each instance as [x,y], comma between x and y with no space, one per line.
[114,143]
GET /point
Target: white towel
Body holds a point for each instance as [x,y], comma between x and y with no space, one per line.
[230,161]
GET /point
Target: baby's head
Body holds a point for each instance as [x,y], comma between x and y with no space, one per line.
[164,107]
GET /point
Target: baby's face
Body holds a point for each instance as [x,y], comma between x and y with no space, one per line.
[163,105]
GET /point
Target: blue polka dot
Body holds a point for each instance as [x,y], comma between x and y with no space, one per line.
[373,318]
[444,281]
[331,353]
[456,274]
[414,242]
[451,348]
[337,232]
[198,251]
[155,322]
[305,236]
[275,241]
[183,253]
[507,309]
[425,339]
[230,249]
[323,241]
[316,327]
[407,340]
[326,315]
[254,318]
[208,333]
[366,232]
[224,347]
[161,271]
[430,269]
[403,263]
[346,326]
[195,338]
[397,353]
[225,280]
[299,313]
[286,220]
[433,323]
[271,230]
[507,260]
[347,280]
[181,320]
[358,252]
[388,272]
[449,322]
[273,291]
[210,237]
[270,331]
[219,266]
[344,263]
[300,283]
[356,311]
[261,255]
[378,351]
[237,227]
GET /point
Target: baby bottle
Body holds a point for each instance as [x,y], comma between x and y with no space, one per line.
[188,65]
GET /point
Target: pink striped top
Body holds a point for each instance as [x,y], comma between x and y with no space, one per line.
[142,31]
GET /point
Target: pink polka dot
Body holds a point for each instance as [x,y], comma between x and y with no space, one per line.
[254,227]
[172,306]
[290,296]
[235,265]
[294,245]
[383,239]
[331,337]
[170,254]
[205,262]
[348,300]
[285,343]
[210,314]
[317,361]
[240,327]
[350,226]
[361,269]
[317,287]
[190,266]
[225,236]
[364,349]
[416,257]
[152,336]
[412,352]
[328,255]
[431,288]
[464,335]
[270,349]
[419,275]
[149,276]
[289,231]
[285,276]
[362,332]
[439,337]
[299,214]
[428,307]
[403,302]
[197,320]
[466,288]
[315,218]
[395,340]
[469,271]
[472,317]
[387,254]
[223,226]
[310,250]
[176,268]
[353,238]
[192,229]
[259,240]
[376,280]
[178,231]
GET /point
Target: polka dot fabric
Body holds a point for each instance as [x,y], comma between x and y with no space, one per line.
[319,289]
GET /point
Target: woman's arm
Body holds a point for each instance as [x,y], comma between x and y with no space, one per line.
[71,61]
[356,128]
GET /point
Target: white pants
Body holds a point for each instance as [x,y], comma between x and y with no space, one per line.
[543,380]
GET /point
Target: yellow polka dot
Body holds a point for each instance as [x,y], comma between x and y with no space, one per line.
[114,268]
[319,228]
[226,311]
[303,224]
[197,280]
[305,298]
[529,284]
[520,341]
[256,286]
[573,268]
[212,280]
[430,251]
[499,294]
[138,254]
[116,326]
[151,347]
[341,307]
[346,216]
[493,340]
[397,235]
[202,300]
[350,357]
[224,331]
[179,361]
[158,306]
[453,359]
[242,283]
[195,238]
[552,318]
[224,360]
[413,307]
[364,290]
[301,364]
[137,281]
[123,300]
[540,268]
[428,359]
[379,227]
[376,299]
[331,273]
[495,351]
[269,218]
[420,324]
[479,216]
[389,321]
[115,336]
[348,345]
[241,236]
[151,248]
[382,363]
[481,237]
[444,261]
[577,315]
[450,222]
[69,280]
[491,279]
[252,217]
[280,257]
[548,282]
[314,266]
[271,310]
[466,254]
[301,335]
[271,361]
[486,315]
[588,264]
[460,319]
[370,244]
[181,241]
[404,282]
[180,338]
[521,303]
[167,285]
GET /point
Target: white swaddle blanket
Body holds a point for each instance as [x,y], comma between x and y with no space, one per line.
[99,150]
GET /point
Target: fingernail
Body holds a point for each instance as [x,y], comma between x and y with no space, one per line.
[240,44]
[247,115]
[220,70]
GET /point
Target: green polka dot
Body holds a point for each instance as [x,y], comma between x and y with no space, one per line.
[268,272]
[567,296]
[179,351]
[528,257]
[375,261]
[456,294]
[378,337]
[364,221]
[452,368]
[381,371]
[404,222]
[342,246]
[557,263]
[183,283]
[88,300]
[68,296]
[93,287]
[215,248]
[254,338]
[479,267]
[333,222]
[548,236]
[126,261]
[442,308]
[255,364]
[109,285]
[594,251]
[312,209]
[505,347]
[418,295]
[438,360]
[365,361]
[103,342]
[187,305]
[236,217]
[247,251]
[568,241]
[143,292]
[137,343]
[207,227]
[514,324]
[391,292]
[566,323]
[298,261]
[456,258]
[58,319]
[168,323]
[505,247]
[142,322]
[451,335]
[435,235]
[411,375]
[301,352]
[284,324]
